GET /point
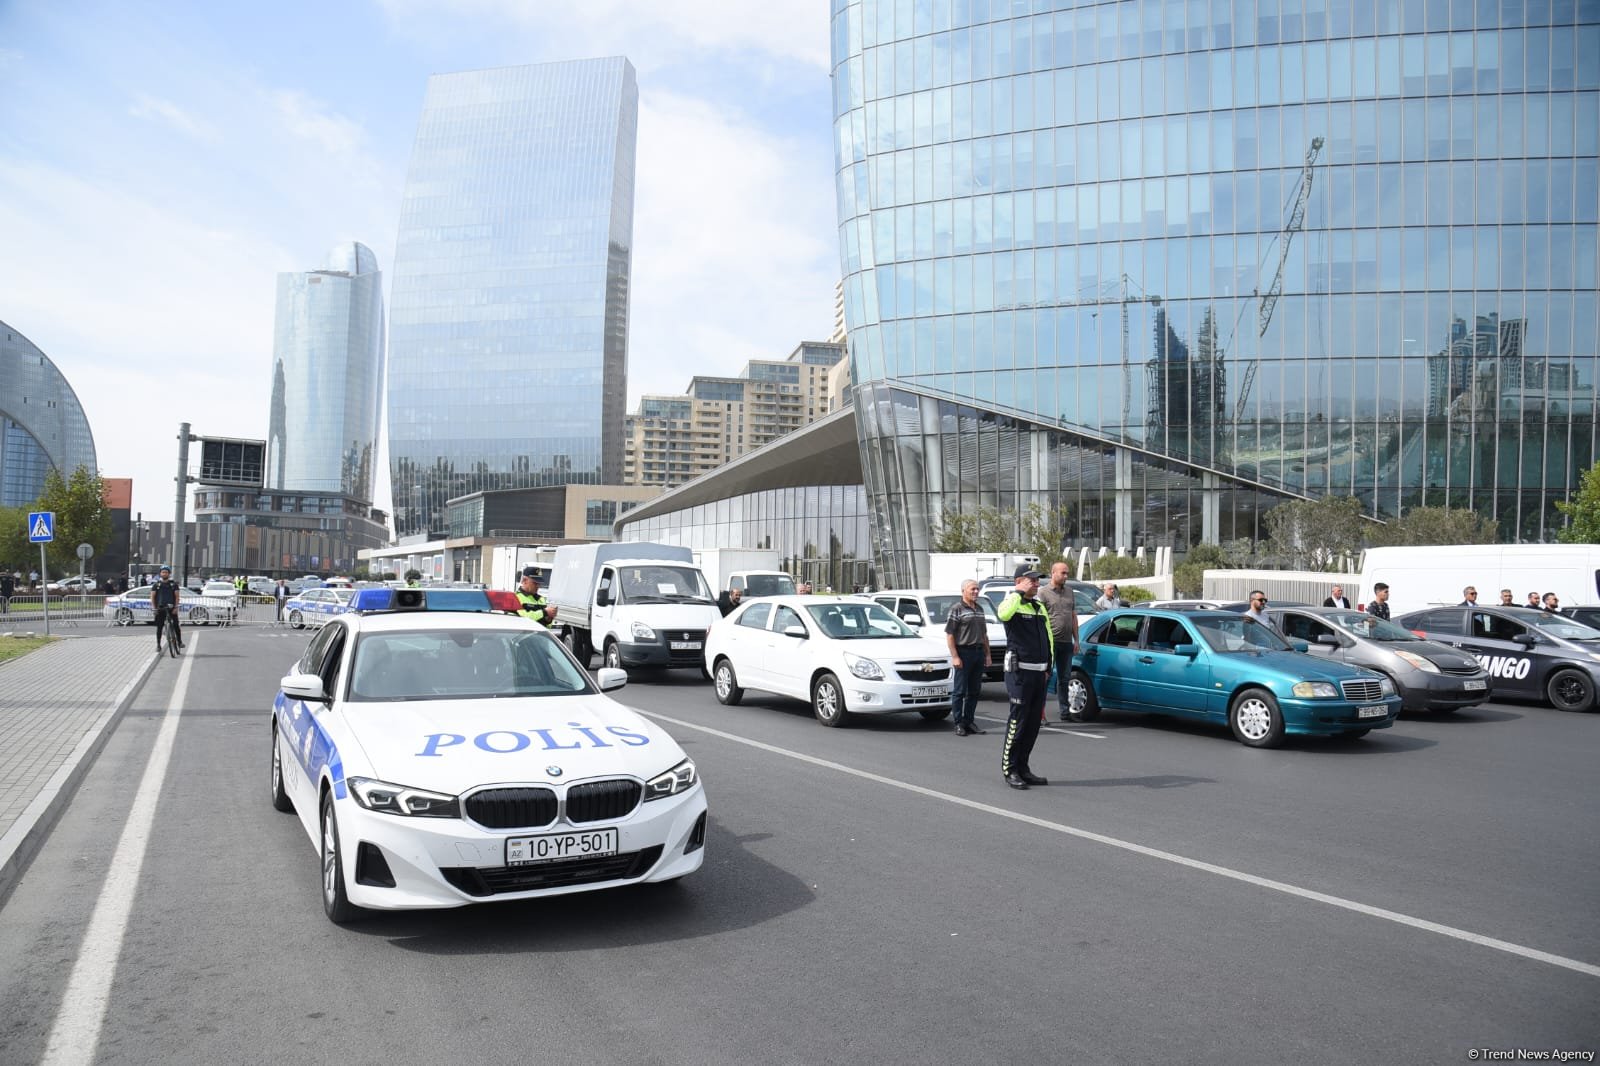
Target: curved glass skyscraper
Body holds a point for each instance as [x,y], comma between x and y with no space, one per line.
[42,425]
[327,377]
[1168,263]
[508,345]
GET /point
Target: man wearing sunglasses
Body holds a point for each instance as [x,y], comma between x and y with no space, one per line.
[1258,606]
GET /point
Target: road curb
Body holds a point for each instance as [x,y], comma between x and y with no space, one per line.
[27,835]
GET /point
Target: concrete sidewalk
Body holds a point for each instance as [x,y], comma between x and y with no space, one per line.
[57,707]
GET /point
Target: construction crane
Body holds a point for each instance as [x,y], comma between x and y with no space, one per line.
[1269,299]
[1103,300]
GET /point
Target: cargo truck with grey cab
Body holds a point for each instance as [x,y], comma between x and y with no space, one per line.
[637,604]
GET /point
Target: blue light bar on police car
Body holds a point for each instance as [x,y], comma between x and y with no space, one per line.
[369,600]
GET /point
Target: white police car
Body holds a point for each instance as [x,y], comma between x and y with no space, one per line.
[314,607]
[439,754]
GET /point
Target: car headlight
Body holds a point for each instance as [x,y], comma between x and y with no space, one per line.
[1418,661]
[1386,687]
[678,779]
[1315,690]
[641,631]
[862,667]
[386,798]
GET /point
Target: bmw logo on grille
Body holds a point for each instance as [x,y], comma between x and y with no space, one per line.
[553,771]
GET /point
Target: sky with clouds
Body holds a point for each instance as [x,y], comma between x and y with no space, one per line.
[161,163]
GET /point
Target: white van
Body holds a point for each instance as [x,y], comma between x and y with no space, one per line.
[1420,577]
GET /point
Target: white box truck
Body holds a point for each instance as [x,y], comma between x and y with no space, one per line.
[637,604]
[753,571]
[947,570]
[1419,577]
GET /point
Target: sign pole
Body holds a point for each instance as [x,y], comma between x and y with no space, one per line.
[44,590]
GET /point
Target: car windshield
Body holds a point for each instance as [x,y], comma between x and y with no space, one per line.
[344,596]
[1365,625]
[1555,625]
[661,583]
[461,664]
[768,585]
[844,620]
[1238,634]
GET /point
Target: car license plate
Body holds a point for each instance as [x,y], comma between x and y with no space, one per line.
[1371,712]
[1473,686]
[686,645]
[931,690]
[551,847]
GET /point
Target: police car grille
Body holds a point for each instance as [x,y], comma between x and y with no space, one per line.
[597,801]
[476,881]
[915,671]
[512,808]
[1362,690]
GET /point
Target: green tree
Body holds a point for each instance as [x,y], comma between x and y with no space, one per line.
[1436,525]
[15,551]
[1583,510]
[1313,534]
[1119,568]
[82,517]
[1188,577]
[986,529]
[1042,531]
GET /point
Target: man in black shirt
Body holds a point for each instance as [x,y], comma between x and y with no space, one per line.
[1378,607]
[966,631]
[164,598]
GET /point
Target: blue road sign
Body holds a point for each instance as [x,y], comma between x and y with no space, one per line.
[41,526]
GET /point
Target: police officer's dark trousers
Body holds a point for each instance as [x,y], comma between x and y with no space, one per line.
[1026,688]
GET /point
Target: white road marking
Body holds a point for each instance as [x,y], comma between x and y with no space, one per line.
[1155,853]
[76,1031]
[1046,727]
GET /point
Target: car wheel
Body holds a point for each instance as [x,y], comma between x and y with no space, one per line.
[1255,719]
[124,616]
[335,904]
[1570,690]
[198,616]
[280,797]
[613,655]
[827,701]
[727,682]
[935,714]
[1082,704]
[297,620]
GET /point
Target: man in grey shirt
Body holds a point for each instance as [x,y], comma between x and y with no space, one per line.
[1258,606]
[1058,599]
[1110,601]
[966,632]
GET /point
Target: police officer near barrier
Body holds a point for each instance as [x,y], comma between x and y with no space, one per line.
[534,606]
[1030,648]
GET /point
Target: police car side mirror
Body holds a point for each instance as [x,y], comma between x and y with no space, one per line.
[1527,640]
[307,687]
[610,678]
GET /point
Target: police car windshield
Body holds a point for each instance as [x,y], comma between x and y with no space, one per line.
[461,664]
[661,584]
[1555,625]
[1365,625]
[857,621]
[1239,634]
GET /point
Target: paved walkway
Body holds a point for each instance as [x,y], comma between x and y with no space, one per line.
[57,706]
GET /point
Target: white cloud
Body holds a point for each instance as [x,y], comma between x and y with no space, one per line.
[734,250]
[309,119]
[157,110]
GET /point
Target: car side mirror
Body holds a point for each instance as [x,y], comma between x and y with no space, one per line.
[1299,645]
[1188,651]
[602,598]
[610,678]
[307,687]
[796,631]
[1330,639]
[912,620]
[1527,640]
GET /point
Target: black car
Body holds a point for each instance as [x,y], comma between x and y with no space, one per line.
[1589,616]
[1531,655]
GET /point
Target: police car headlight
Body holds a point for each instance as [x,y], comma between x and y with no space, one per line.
[641,631]
[863,668]
[1418,661]
[385,798]
[1315,690]
[678,779]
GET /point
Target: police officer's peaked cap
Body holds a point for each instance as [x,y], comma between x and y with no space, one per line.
[528,571]
[1026,571]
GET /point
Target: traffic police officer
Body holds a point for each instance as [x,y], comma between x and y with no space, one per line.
[534,606]
[1030,649]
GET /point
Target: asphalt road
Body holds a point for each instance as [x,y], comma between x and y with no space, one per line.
[870,894]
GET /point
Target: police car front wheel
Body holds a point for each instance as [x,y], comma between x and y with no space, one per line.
[335,904]
[1570,690]
[280,796]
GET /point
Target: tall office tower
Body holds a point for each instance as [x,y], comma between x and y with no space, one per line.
[1165,265]
[327,377]
[42,425]
[509,336]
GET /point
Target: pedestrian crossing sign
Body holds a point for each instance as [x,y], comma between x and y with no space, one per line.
[41,526]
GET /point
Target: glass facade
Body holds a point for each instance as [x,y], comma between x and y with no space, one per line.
[508,339]
[1263,249]
[327,377]
[42,424]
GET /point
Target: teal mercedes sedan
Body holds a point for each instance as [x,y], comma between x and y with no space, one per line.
[1219,666]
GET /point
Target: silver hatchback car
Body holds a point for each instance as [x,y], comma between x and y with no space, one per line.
[1428,675]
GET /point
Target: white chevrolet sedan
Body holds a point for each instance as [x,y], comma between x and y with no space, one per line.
[843,656]
[439,754]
